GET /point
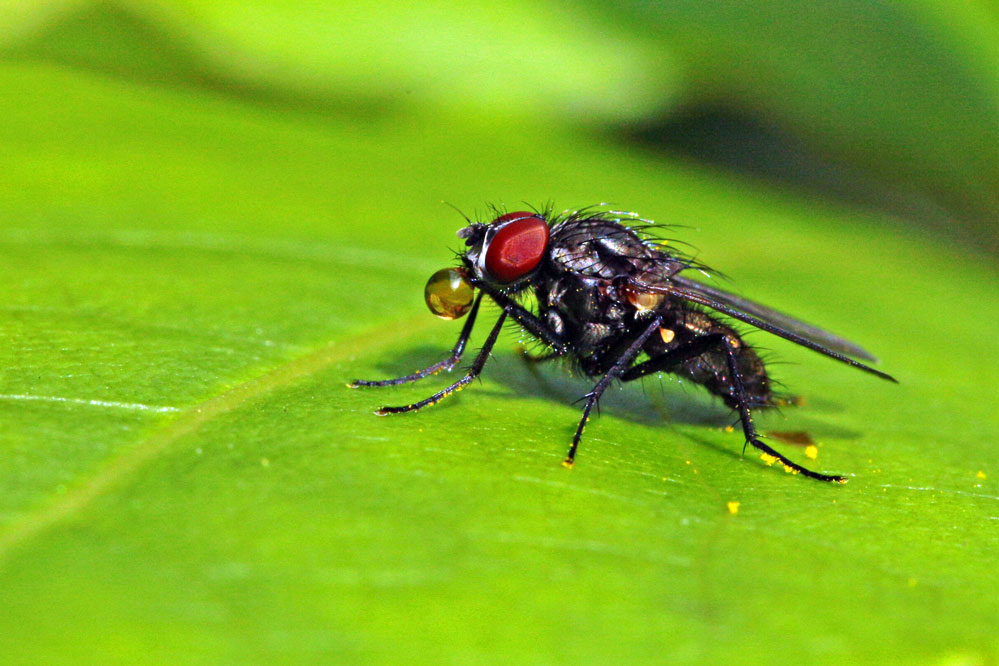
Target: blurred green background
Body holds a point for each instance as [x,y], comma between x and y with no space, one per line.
[214,214]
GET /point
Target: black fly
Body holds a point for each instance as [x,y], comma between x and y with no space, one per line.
[614,300]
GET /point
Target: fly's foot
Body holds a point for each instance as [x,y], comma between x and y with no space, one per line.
[770,456]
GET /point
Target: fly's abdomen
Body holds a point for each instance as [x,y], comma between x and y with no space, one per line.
[710,369]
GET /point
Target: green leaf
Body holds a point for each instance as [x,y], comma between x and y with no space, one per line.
[189,278]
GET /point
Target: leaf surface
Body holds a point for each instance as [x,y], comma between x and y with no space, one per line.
[190,277]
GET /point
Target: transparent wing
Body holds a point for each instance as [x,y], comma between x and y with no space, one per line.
[779,319]
[766,319]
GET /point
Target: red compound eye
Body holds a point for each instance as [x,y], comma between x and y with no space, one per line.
[517,248]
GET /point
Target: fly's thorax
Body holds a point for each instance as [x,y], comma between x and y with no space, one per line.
[608,250]
[581,300]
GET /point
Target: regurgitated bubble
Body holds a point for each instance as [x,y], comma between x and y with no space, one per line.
[449,293]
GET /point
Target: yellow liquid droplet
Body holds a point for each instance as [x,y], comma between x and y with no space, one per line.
[449,293]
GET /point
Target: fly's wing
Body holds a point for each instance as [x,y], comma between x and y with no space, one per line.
[765,319]
[779,319]
[598,248]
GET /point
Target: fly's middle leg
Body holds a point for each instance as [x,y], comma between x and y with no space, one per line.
[616,370]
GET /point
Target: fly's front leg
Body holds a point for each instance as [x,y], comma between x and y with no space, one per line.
[669,360]
[473,372]
[616,370]
[536,327]
[531,323]
[446,364]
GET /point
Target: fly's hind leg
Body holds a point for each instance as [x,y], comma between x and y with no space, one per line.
[671,359]
[446,364]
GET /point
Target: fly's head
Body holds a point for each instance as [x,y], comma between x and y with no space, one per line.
[505,254]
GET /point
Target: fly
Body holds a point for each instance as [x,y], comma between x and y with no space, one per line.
[612,299]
